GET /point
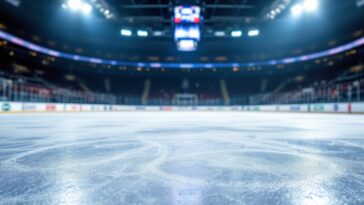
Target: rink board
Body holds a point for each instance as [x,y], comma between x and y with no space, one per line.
[6,107]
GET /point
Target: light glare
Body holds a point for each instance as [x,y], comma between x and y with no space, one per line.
[236,34]
[297,9]
[254,32]
[142,33]
[310,5]
[74,4]
[86,8]
[126,32]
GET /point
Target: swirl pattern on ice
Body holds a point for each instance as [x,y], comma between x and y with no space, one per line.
[181,158]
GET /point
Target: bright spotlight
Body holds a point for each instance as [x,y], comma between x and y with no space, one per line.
[126,32]
[310,5]
[254,32]
[142,33]
[86,8]
[236,34]
[74,4]
[297,9]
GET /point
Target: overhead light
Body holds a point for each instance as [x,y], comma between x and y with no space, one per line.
[310,5]
[78,5]
[158,33]
[276,9]
[219,33]
[86,8]
[126,32]
[254,32]
[74,4]
[297,9]
[236,34]
[142,33]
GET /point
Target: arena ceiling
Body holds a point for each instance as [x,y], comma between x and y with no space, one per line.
[156,14]
[215,12]
[47,20]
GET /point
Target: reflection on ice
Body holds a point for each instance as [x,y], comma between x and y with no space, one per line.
[315,195]
[316,186]
[69,193]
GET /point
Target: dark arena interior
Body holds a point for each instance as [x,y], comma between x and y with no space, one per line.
[182,102]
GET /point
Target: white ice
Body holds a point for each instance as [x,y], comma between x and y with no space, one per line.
[181,158]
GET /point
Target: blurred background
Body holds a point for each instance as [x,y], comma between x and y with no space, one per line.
[171,52]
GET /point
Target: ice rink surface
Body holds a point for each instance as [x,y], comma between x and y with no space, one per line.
[181,158]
